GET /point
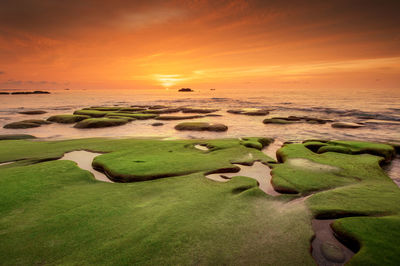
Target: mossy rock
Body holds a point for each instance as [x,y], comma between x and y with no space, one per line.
[129,119]
[104,108]
[139,116]
[92,113]
[201,126]
[199,110]
[67,119]
[346,125]
[16,137]
[26,124]
[176,117]
[157,124]
[249,111]
[256,143]
[277,121]
[32,112]
[360,147]
[168,110]
[100,122]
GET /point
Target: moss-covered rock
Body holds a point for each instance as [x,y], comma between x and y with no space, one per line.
[139,116]
[92,113]
[201,126]
[103,108]
[359,147]
[249,111]
[100,122]
[199,110]
[166,110]
[176,117]
[16,136]
[346,125]
[129,119]
[277,121]
[157,124]
[26,124]
[32,112]
[67,119]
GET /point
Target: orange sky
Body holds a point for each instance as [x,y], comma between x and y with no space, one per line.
[200,44]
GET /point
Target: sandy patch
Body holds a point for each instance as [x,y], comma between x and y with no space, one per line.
[84,160]
[257,171]
[325,235]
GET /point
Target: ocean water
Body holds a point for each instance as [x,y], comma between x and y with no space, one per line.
[378,109]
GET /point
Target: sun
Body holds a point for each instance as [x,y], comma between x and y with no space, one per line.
[169,80]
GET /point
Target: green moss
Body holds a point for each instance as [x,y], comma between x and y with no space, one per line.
[67,119]
[137,165]
[56,213]
[256,143]
[249,111]
[351,168]
[26,124]
[16,136]
[378,238]
[277,121]
[92,113]
[358,147]
[138,116]
[104,108]
[100,122]
[201,126]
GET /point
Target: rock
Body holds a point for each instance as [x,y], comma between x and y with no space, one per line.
[155,107]
[103,108]
[249,111]
[185,90]
[16,137]
[26,124]
[139,116]
[29,92]
[157,124]
[32,112]
[92,113]
[162,111]
[100,122]
[173,117]
[67,119]
[201,126]
[277,121]
[346,125]
[199,110]
[332,252]
[129,119]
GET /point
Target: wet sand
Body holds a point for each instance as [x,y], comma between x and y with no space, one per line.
[393,170]
[84,160]
[257,171]
[325,234]
[272,148]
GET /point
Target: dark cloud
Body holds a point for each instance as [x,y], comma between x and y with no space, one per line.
[51,17]
[2,72]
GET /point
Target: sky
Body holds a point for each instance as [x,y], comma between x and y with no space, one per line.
[238,44]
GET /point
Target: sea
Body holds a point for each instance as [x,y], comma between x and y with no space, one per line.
[378,110]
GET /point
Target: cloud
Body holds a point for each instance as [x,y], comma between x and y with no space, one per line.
[2,72]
